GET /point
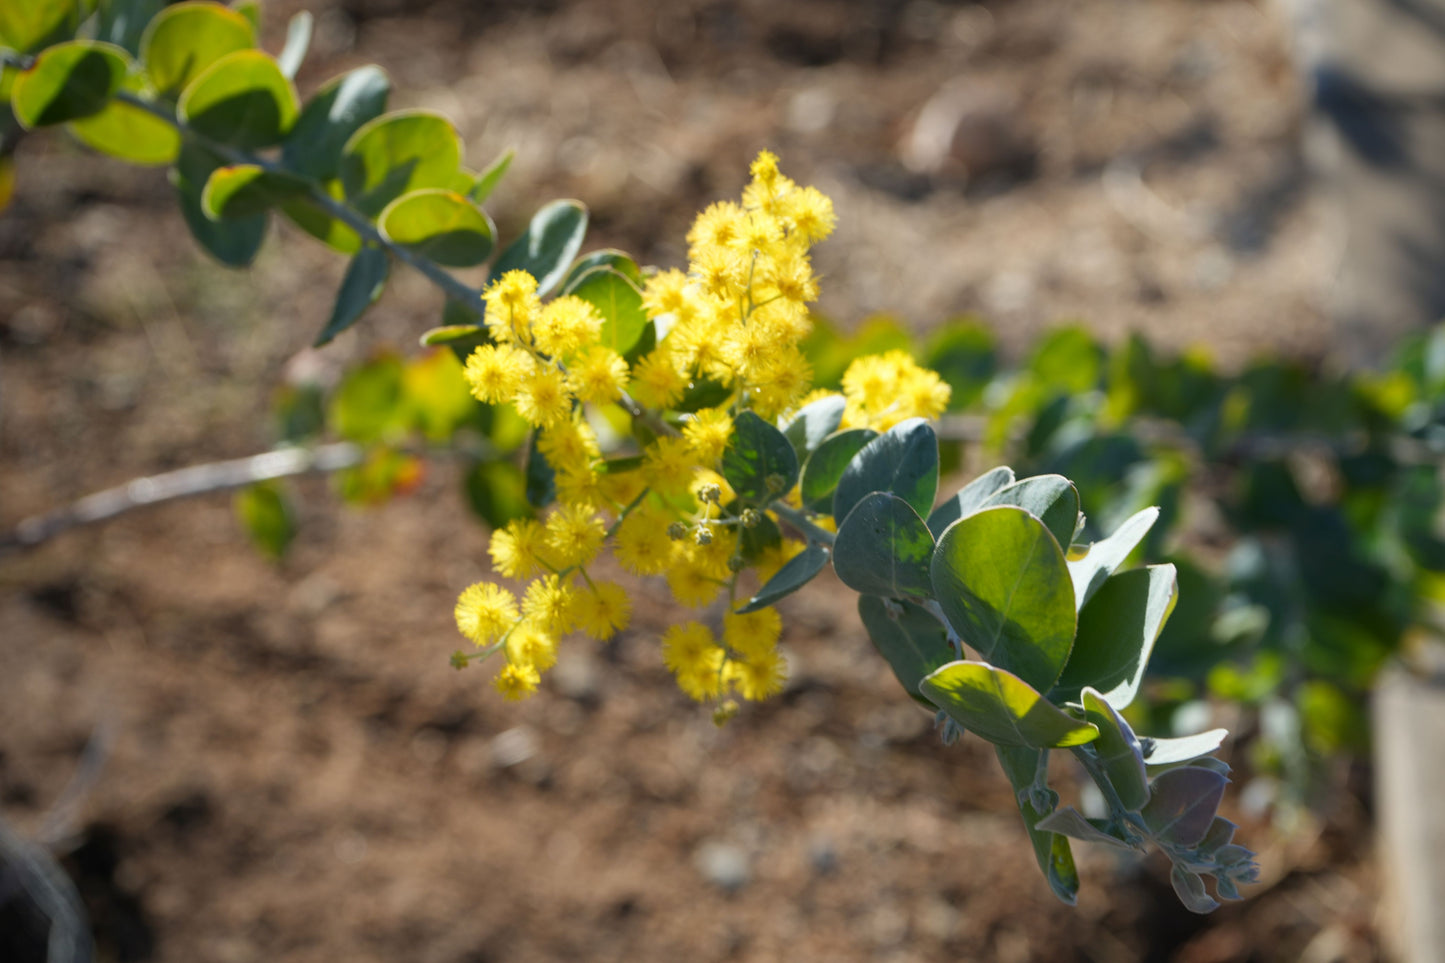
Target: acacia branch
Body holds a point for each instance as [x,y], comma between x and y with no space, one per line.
[189,482]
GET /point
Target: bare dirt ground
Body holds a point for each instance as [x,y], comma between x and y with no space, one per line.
[293,772]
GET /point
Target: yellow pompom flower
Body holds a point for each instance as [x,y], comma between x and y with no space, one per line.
[485,612]
[810,212]
[707,433]
[656,382]
[690,652]
[575,534]
[667,464]
[583,486]
[512,305]
[689,583]
[883,390]
[531,645]
[494,372]
[759,676]
[516,682]
[566,324]
[569,445]
[520,549]
[547,605]
[598,375]
[602,610]
[719,225]
[542,398]
[642,544]
[753,634]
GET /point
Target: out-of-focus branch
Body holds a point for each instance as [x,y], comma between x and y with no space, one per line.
[183,483]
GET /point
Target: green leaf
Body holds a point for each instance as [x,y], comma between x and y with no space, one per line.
[1182,803]
[364,281]
[970,498]
[232,242]
[367,404]
[795,573]
[28,25]
[1070,822]
[814,422]
[1117,631]
[497,492]
[911,641]
[1053,498]
[619,261]
[329,119]
[1119,751]
[547,246]
[251,10]
[1068,360]
[1106,555]
[488,179]
[267,517]
[1168,752]
[186,38]
[243,190]
[463,339]
[125,131]
[397,153]
[1189,887]
[620,304]
[826,465]
[67,82]
[311,217]
[1055,858]
[242,100]
[1001,580]
[902,460]
[440,225]
[298,41]
[122,22]
[1002,708]
[963,354]
[759,463]
[884,548]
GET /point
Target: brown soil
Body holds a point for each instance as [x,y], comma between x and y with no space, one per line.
[292,771]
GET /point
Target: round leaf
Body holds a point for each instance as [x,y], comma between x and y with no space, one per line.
[970,498]
[233,242]
[243,100]
[547,247]
[759,463]
[883,548]
[1053,498]
[1002,708]
[619,303]
[28,25]
[1117,631]
[440,225]
[913,642]
[797,572]
[1105,555]
[125,131]
[184,39]
[1182,804]
[241,190]
[826,465]
[67,82]
[396,154]
[813,423]
[338,110]
[1003,584]
[902,460]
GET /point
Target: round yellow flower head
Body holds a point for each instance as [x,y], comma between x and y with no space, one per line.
[485,612]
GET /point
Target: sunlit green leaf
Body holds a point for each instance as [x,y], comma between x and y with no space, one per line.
[186,38]
[440,225]
[242,100]
[1002,708]
[67,82]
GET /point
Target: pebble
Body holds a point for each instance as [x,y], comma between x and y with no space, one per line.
[724,865]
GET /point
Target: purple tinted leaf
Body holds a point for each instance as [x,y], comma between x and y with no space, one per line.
[1182,804]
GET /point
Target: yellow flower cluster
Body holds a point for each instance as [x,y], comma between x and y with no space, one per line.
[728,328]
[884,389]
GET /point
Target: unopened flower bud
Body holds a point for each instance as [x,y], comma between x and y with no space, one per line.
[677,531]
[736,563]
[459,660]
[724,713]
[711,493]
[703,535]
[751,517]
